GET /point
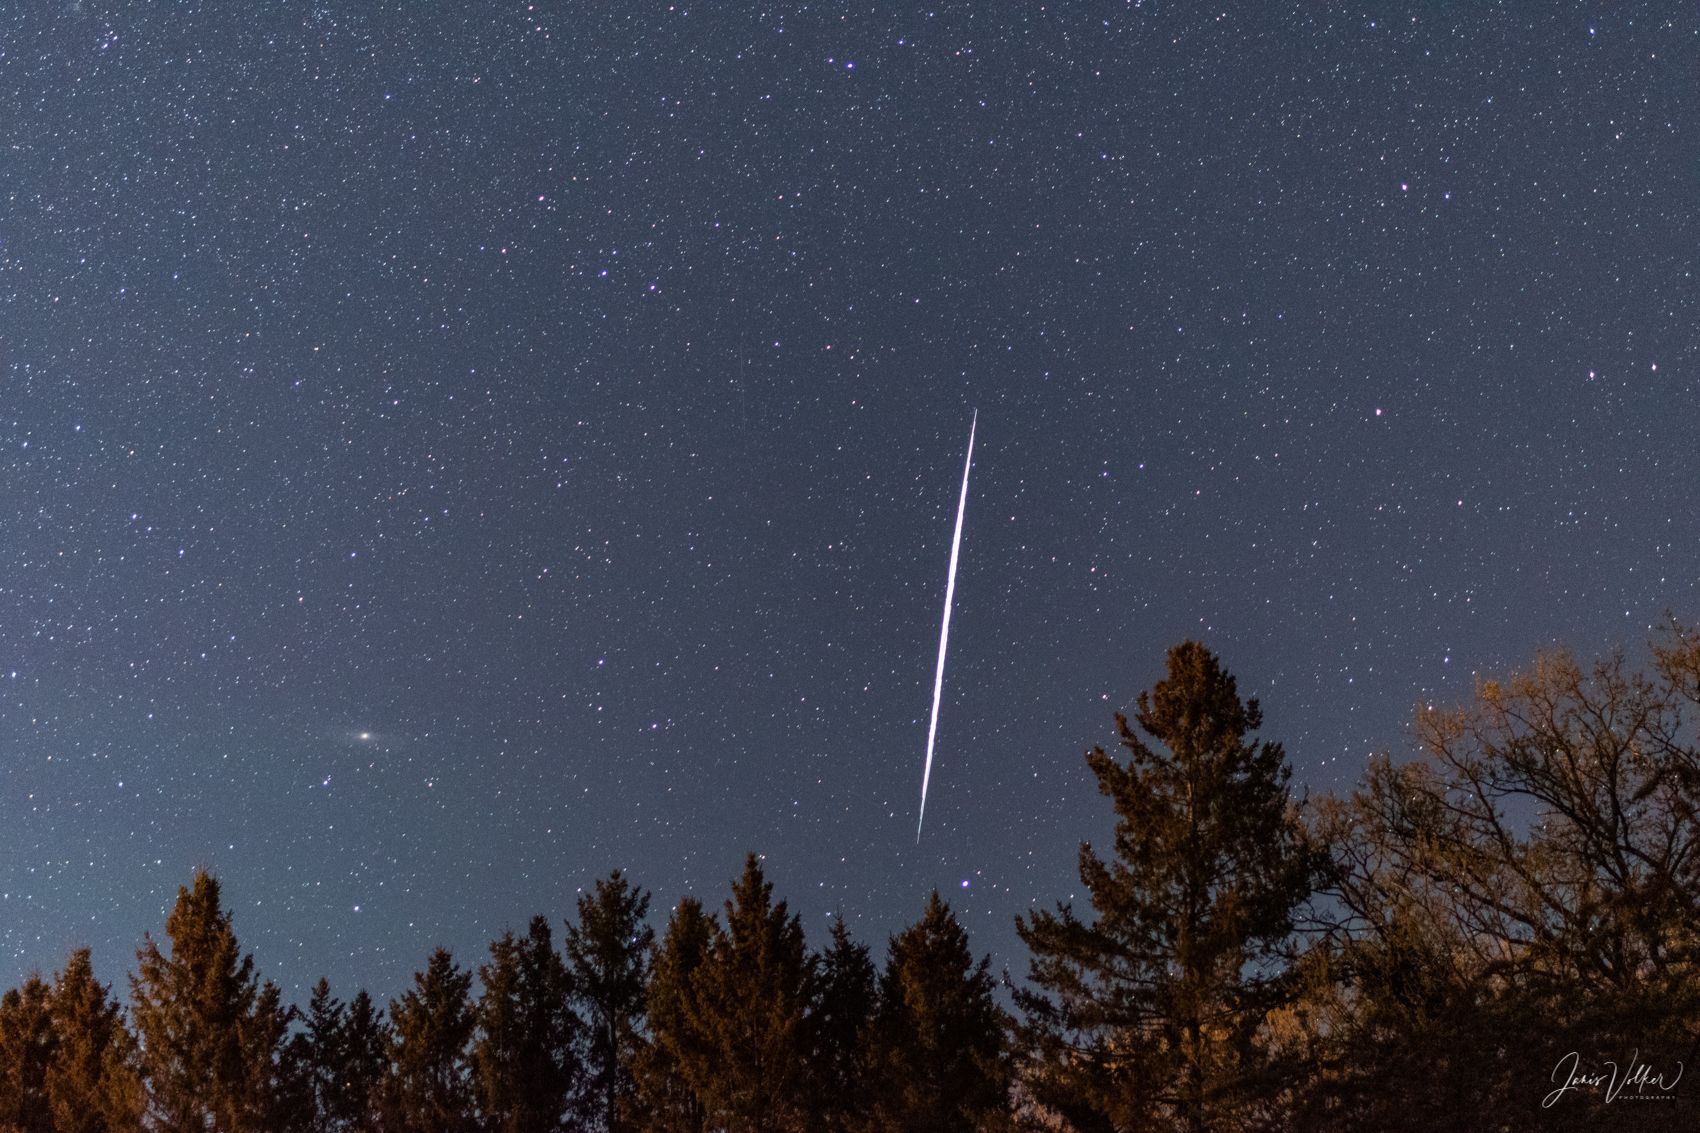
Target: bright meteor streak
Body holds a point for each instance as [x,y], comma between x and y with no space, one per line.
[944,631]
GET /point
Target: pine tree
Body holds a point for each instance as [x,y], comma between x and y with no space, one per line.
[93,1085]
[939,1057]
[431,1088]
[276,1095]
[525,1055]
[363,1065]
[343,1052]
[1146,1017]
[322,1042]
[210,1032]
[608,955]
[665,1100]
[748,1012]
[26,1051]
[845,992]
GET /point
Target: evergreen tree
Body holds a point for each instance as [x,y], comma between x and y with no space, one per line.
[26,1051]
[93,1085]
[608,955]
[1147,1016]
[431,1088]
[363,1065]
[845,993]
[322,1042]
[276,1095]
[939,1057]
[665,1100]
[525,1054]
[343,1055]
[748,1012]
[210,1033]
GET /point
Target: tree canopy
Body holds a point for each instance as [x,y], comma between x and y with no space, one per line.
[1145,1015]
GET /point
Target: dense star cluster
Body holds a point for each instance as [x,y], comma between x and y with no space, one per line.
[447,457]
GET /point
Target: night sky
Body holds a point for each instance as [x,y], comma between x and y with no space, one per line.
[446,455]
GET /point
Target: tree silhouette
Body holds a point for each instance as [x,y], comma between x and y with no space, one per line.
[345,1052]
[525,1054]
[320,1047]
[748,1011]
[1146,1016]
[940,1064]
[608,953]
[666,1100]
[210,1032]
[26,1050]
[1528,888]
[364,1065]
[430,1089]
[845,993]
[93,1085]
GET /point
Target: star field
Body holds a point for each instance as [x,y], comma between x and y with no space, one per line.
[444,458]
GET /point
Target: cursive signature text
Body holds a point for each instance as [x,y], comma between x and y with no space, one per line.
[1647,1083]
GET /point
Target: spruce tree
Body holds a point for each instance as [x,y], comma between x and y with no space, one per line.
[343,1055]
[26,1051]
[665,1099]
[322,1044]
[276,1096]
[525,1055]
[1146,1015]
[845,992]
[363,1066]
[749,1015]
[93,1085]
[210,1032]
[939,1052]
[431,1088]
[608,956]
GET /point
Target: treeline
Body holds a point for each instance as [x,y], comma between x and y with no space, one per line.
[726,1022]
[1500,934]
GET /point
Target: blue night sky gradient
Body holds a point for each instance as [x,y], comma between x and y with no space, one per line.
[444,457]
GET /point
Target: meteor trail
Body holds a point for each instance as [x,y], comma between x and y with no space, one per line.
[944,631]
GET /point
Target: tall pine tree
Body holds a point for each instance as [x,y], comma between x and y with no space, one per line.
[363,1065]
[210,1032]
[938,1045]
[1146,1016]
[608,956]
[93,1085]
[26,1050]
[431,1089]
[845,992]
[525,1053]
[275,1095]
[342,1055]
[666,1101]
[322,1045]
[749,1015]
